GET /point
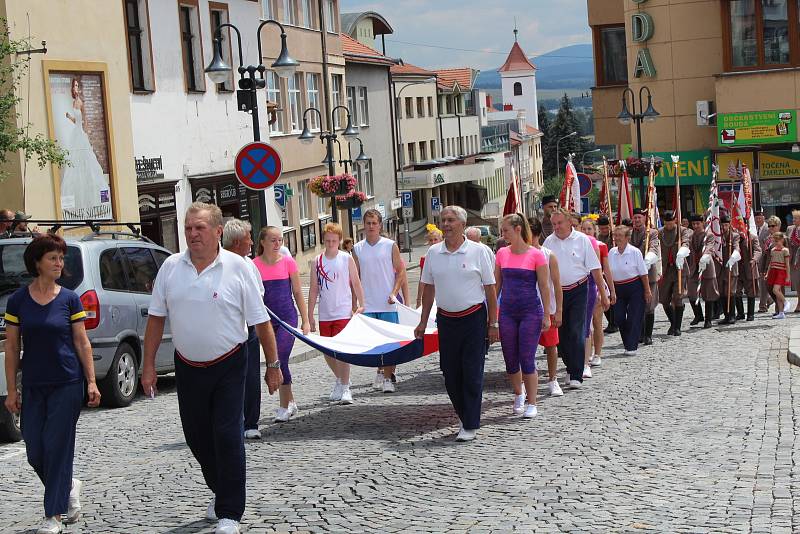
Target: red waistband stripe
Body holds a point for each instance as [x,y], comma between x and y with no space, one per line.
[462,313]
[211,362]
[576,284]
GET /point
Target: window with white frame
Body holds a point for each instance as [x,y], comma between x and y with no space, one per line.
[351,104]
[336,98]
[266,9]
[293,94]
[312,99]
[409,107]
[302,200]
[363,107]
[430,106]
[365,181]
[289,12]
[307,13]
[412,153]
[330,15]
[322,206]
[420,106]
[274,95]
[423,151]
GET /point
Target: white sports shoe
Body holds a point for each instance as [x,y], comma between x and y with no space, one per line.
[74,507]
[252,433]
[587,371]
[211,514]
[630,353]
[284,414]
[336,392]
[378,382]
[575,384]
[530,411]
[466,435]
[555,389]
[596,361]
[227,526]
[51,525]
[293,409]
[347,395]
[388,386]
[519,403]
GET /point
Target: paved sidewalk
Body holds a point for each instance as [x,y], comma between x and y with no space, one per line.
[696,434]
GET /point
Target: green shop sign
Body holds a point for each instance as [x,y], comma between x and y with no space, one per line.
[757,127]
[694,166]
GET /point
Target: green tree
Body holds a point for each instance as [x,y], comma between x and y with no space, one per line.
[15,137]
[565,123]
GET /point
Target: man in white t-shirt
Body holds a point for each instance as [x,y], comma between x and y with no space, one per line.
[382,272]
[210,296]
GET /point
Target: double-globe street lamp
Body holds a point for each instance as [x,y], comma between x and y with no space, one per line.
[328,137]
[246,96]
[361,160]
[625,117]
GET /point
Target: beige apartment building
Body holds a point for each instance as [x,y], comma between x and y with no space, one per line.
[723,75]
[75,93]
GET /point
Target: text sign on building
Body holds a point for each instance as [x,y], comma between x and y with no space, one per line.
[257,165]
[642,29]
[757,127]
[694,166]
[779,164]
[149,168]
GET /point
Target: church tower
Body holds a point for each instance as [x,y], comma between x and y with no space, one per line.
[518,76]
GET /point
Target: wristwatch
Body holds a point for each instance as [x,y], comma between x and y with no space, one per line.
[494,325]
[274,365]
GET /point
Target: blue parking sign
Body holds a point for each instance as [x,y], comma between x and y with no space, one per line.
[356,214]
[407,198]
[280,194]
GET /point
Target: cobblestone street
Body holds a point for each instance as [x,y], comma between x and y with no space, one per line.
[695,434]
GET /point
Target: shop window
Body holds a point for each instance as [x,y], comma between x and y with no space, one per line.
[323,220]
[611,59]
[219,16]
[290,240]
[308,236]
[760,33]
[140,58]
[191,46]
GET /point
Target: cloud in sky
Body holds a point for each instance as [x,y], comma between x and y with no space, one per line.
[476,25]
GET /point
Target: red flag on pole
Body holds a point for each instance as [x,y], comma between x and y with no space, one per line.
[513,203]
[570,198]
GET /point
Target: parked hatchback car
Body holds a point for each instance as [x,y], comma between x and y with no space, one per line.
[113,274]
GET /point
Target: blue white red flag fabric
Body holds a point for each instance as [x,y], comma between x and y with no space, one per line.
[570,198]
[369,342]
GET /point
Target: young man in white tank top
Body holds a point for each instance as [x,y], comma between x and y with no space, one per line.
[333,277]
[382,271]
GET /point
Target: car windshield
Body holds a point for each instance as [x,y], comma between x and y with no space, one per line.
[14,275]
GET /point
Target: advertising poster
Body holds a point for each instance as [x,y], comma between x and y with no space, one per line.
[757,127]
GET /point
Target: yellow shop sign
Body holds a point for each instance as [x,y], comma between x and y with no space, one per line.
[779,164]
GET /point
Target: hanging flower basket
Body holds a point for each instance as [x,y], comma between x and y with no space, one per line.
[330,186]
[351,200]
[640,168]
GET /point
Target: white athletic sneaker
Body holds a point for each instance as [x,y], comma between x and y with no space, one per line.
[575,384]
[630,353]
[388,386]
[596,361]
[378,382]
[587,371]
[282,414]
[347,395]
[555,389]
[211,514]
[336,392]
[227,526]
[51,525]
[293,409]
[252,433]
[780,315]
[74,506]
[466,435]
[519,403]
[530,411]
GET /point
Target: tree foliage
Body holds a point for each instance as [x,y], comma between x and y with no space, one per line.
[13,136]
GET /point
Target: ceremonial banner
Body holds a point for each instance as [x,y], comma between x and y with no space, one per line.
[570,197]
[624,204]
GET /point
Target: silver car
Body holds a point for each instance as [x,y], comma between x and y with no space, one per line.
[113,274]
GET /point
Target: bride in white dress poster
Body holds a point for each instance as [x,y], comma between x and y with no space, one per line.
[85,191]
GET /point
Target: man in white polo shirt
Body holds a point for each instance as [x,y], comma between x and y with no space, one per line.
[210,296]
[577,260]
[459,274]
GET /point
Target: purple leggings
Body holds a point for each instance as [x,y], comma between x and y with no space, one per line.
[278,298]
[591,301]
[518,335]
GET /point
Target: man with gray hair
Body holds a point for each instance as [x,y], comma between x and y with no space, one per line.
[473,233]
[210,295]
[237,238]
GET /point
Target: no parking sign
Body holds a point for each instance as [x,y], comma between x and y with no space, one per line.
[257,165]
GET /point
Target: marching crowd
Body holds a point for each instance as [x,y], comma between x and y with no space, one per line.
[549,282]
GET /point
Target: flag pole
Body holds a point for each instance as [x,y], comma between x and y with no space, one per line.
[608,195]
[678,218]
[649,197]
[748,199]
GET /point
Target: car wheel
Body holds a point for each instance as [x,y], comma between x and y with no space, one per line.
[9,424]
[119,386]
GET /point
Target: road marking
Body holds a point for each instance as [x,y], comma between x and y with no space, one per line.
[11,454]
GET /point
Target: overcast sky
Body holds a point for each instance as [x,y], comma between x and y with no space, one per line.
[483,26]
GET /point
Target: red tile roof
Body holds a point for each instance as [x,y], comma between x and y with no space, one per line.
[532,131]
[516,60]
[408,68]
[464,76]
[357,51]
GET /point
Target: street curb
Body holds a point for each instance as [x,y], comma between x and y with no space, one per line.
[308,355]
[793,354]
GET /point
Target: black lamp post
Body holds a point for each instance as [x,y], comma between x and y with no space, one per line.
[360,160]
[246,96]
[328,137]
[625,117]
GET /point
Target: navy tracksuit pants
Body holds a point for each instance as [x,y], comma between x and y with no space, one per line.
[211,401]
[462,351]
[49,417]
[571,332]
[629,312]
[252,385]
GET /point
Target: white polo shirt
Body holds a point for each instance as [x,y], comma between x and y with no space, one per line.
[626,264]
[575,254]
[209,311]
[459,276]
